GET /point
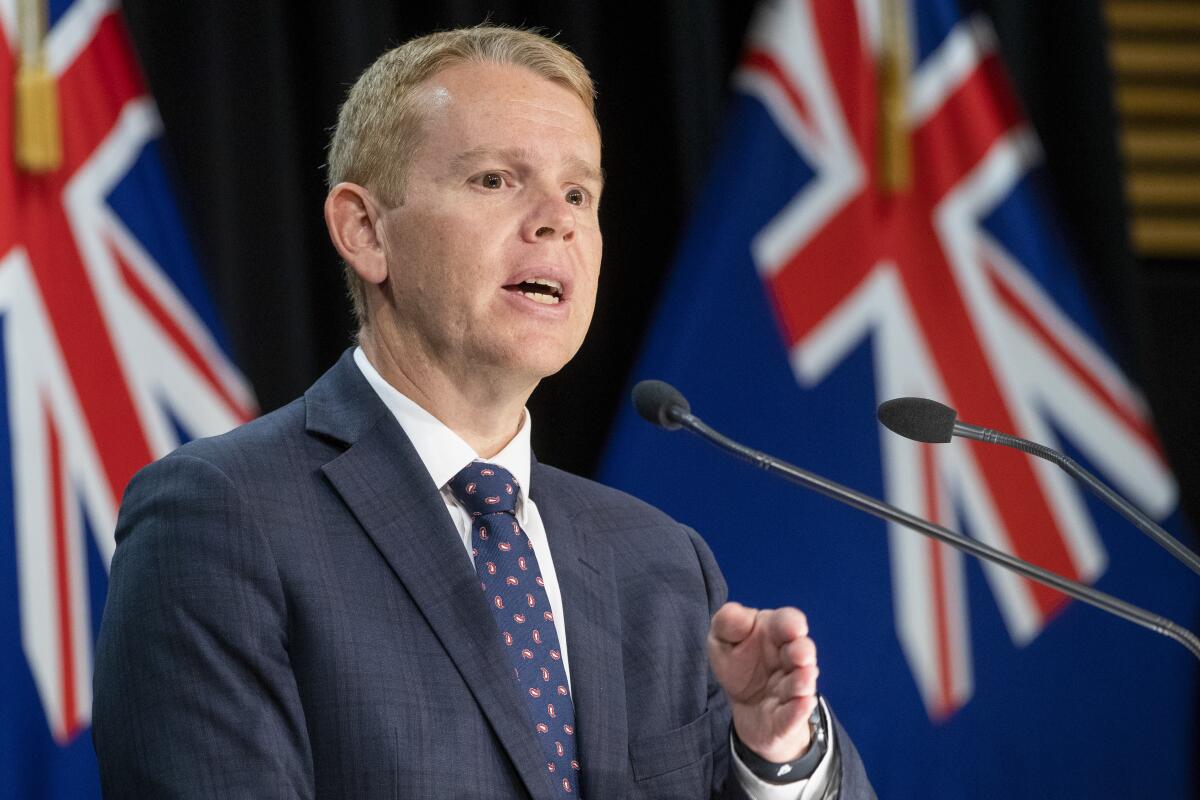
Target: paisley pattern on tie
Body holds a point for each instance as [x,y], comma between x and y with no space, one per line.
[515,592]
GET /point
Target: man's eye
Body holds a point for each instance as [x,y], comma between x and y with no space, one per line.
[576,197]
[492,181]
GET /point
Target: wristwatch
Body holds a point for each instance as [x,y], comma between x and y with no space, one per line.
[789,771]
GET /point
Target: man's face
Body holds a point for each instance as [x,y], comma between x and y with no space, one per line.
[494,254]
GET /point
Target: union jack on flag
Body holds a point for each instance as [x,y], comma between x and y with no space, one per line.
[958,311]
[819,279]
[109,359]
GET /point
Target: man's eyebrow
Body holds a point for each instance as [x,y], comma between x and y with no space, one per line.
[476,154]
[482,153]
[589,171]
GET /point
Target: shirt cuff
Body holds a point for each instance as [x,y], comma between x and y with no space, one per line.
[807,789]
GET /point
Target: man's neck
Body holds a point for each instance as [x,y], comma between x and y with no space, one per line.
[485,411]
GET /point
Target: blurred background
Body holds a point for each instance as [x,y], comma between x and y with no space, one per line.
[953,681]
[249,91]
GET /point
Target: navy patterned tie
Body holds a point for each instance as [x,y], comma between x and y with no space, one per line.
[512,583]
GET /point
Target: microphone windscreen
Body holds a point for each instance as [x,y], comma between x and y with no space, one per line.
[654,399]
[918,418]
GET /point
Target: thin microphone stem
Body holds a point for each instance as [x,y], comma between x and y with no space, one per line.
[886,511]
[1072,468]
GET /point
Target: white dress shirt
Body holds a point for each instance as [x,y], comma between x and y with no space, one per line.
[444,454]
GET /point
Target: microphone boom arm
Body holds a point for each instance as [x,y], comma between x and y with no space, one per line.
[1072,468]
[886,511]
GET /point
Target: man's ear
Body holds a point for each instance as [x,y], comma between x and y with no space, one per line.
[351,214]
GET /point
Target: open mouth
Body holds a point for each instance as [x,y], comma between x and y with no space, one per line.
[540,290]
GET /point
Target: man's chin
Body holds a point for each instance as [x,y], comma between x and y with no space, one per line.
[532,364]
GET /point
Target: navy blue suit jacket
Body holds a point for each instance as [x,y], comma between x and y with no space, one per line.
[291,613]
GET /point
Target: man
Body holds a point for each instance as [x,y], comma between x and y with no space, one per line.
[376,591]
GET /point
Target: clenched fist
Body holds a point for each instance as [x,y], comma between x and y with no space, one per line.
[768,666]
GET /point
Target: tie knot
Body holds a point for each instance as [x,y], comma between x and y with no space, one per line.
[485,488]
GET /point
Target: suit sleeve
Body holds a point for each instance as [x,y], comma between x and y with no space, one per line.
[849,779]
[194,695]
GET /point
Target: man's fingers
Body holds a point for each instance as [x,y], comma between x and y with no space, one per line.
[799,653]
[786,624]
[732,623]
[799,682]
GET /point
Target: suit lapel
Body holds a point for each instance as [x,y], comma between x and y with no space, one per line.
[387,488]
[583,563]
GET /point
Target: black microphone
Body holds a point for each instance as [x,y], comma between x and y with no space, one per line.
[663,405]
[660,403]
[917,418]
[929,421]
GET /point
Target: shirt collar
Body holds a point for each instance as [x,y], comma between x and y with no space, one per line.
[441,450]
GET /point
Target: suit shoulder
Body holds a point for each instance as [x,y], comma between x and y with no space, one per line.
[262,446]
[267,431]
[245,468]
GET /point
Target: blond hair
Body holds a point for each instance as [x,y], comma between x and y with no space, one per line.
[379,126]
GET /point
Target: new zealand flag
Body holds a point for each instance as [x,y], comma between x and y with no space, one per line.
[876,227]
[109,359]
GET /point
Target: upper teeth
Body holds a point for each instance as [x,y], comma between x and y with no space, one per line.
[553,284]
[544,297]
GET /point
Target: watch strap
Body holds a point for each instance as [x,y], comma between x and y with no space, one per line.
[801,768]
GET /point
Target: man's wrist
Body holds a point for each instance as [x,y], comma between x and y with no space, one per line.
[798,769]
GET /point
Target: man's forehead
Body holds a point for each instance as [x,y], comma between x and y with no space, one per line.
[490,87]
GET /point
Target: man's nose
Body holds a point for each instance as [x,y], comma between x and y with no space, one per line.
[552,218]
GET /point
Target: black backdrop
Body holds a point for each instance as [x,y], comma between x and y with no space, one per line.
[248,90]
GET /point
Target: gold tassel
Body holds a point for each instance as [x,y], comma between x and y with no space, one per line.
[38,138]
[895,151]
